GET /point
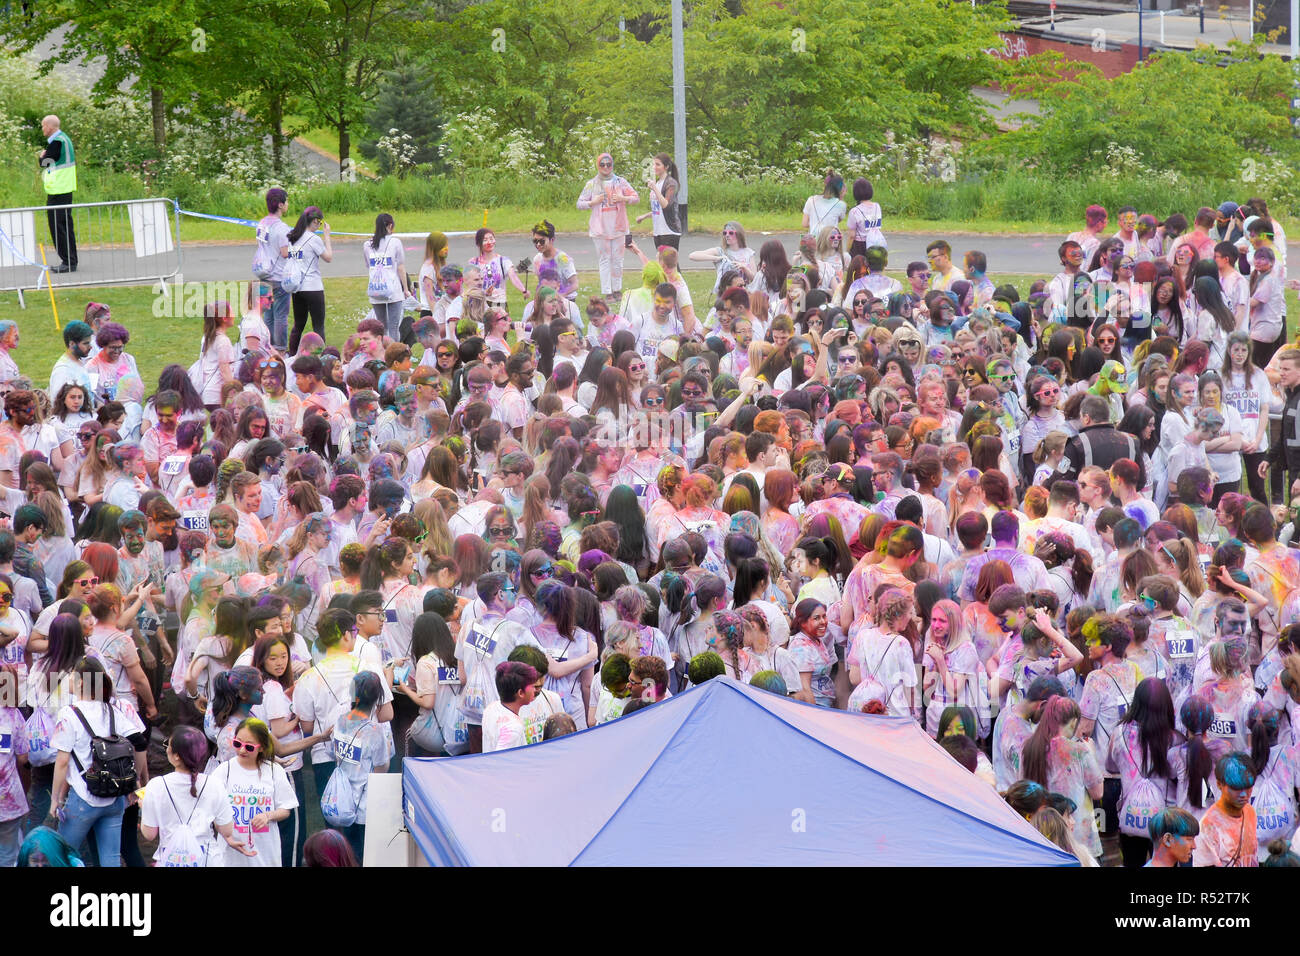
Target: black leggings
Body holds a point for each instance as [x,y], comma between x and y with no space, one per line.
[1253,481]
[669,240]
[305,303]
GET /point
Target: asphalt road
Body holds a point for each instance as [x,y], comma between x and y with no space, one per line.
[217,262]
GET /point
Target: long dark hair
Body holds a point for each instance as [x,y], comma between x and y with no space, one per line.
[66,644]
[1209,296]
[774,265]
[1057,712]
[1153,712]
[382,222]
[750,572]
[430,635]
[308,216]
[623,508]
[1197,714]
[1136,418]
[669,166]
[1174,326]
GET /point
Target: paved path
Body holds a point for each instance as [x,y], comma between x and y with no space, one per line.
[217,262]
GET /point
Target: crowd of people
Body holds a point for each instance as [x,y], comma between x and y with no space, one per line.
[1037,521]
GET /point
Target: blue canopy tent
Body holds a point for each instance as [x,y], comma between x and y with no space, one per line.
[724,774]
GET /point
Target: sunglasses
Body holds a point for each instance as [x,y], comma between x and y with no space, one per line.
[691,393]
[860,301]
[1048,393]
[652,402]
[269,363]
[636,368]
[539,242]
[1107,340]
[846,359]
[728,232]
[445,355]
[86,582]
[240,745]
[6,598]
[545,572]
[500,532]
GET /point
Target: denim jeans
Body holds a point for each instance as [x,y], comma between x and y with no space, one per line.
[38,795]
[11,838]
[105,822]
[279,324]
[293,830]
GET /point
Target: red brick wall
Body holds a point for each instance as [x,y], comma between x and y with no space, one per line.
[1112,61]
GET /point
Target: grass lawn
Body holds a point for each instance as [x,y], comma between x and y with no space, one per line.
[158,341]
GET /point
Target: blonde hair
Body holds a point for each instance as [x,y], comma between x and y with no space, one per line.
[1052,443]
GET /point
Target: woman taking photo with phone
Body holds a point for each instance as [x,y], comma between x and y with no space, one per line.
[662,185]
[608,196]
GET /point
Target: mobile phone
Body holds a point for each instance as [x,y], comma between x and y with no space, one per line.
[627,241]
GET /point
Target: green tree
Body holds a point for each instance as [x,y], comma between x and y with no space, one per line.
[350,43]
[405,103]
[146,44]
[272,77]
[763,75]
[1196,114]
[522,59]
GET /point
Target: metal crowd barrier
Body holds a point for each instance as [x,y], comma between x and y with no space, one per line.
[134,240]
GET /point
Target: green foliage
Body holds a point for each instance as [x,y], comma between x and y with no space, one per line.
[405,103]
[1197,115]
[349,44]
[768,78]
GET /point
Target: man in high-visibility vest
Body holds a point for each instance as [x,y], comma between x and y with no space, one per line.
[59,177]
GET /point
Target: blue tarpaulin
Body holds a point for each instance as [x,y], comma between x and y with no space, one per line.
[722,775]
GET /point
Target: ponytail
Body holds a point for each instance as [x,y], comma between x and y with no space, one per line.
[1197,714]
[1262,720]
[1081,571]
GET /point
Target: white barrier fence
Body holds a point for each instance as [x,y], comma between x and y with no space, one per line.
[110,243]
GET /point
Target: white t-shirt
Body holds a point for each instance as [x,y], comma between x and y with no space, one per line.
[391,258]
[1227,464]
[1250,397]
[324,693]
[502,730]
[888,658]
[309,249]
[70,736]
[221,350]
[823,212]
[251,792]
[253,326]
[211,806]
[272,236]
[864,224]
[427,271]
[1269,315]
[650,333]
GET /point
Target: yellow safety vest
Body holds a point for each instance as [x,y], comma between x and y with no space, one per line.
[61,177]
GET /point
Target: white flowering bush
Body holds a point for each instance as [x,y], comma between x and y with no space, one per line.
[398,150]
[1123,162]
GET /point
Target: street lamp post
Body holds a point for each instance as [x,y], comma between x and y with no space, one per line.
[679,113]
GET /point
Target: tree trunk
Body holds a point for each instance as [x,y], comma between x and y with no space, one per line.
[345,149]
[159,117]
[277,134]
